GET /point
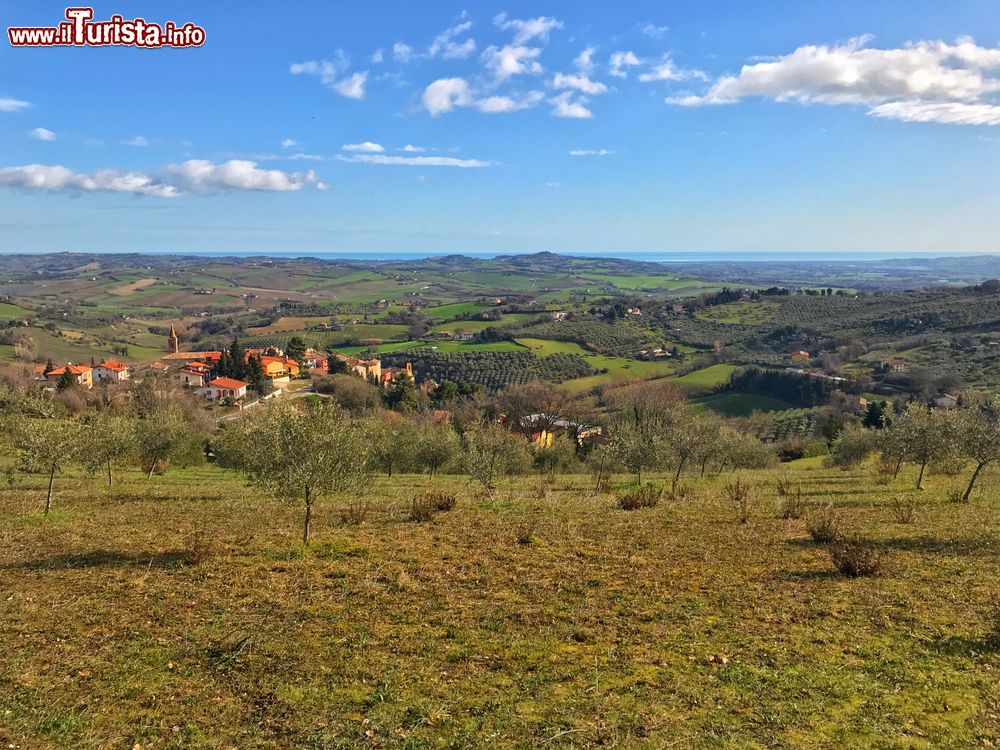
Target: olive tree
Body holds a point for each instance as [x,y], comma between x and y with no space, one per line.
[47,446]
[434,447]
[109,439]
[979,437]
[927,435]
[163,435]
[297,455]
[853,446]
[491,452]
[391,444]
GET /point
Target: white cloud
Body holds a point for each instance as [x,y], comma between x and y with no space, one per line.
[527,29]
[511,60]
[289,143]
[139,141]
[584,62]
[580,83]
[331,74]
[415,161]
[563,106]
[653,31]
[378,57]
[926,81]
[591,152]
[7,104]
[445,94]
[402,53]
[948,113]
[353,87]
[42,134]
[667,70]
[445,45]
[498,104]
[239,174]
[196,175]
[367,147]
[413,149]
[56,178]
[621,61]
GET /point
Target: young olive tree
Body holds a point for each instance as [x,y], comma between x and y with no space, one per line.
[927,434]
[434,447]
[297,455]
[979,437]
[853,446]
[391,444]
[109,440]
[47,446]
[162,436]
[492,452]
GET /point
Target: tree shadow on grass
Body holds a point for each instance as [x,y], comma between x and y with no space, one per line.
[987,546]
[958,645]
[108,559]
[807,575]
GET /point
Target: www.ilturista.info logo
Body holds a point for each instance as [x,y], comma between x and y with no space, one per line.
[80,30]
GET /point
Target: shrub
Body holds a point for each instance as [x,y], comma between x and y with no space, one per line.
[822,526]
[198,547]
[885,470]
[442,501]
[904,509]
[423,508]
[524,532]
[740,493]
[957,497]
[793,505]
[355,513]
[818,448]
[855,557]
[638,496]
[680,492]
[784,486]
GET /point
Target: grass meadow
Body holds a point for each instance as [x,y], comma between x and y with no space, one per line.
[181,612]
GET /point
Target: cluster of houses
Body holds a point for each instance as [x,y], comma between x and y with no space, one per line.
[85,376]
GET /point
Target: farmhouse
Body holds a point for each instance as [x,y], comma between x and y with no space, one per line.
[800,356]
[112,372]
[280,368]
[193,375]
[366,369]
[224,388]
[81,374]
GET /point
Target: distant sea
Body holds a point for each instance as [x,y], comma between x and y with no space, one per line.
[650,257]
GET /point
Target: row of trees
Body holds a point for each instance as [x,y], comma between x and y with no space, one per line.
[307,454]
[925,436]
[654,428]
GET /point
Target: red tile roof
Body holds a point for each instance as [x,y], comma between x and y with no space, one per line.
[73,370]
[114,365]
[230,383]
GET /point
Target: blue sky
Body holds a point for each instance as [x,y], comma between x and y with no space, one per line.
[509,127]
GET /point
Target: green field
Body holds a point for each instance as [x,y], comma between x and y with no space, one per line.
[447,312]
[12,312]
[709,377]
[619,369]
[181,612]
[746,313]
[740,404]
